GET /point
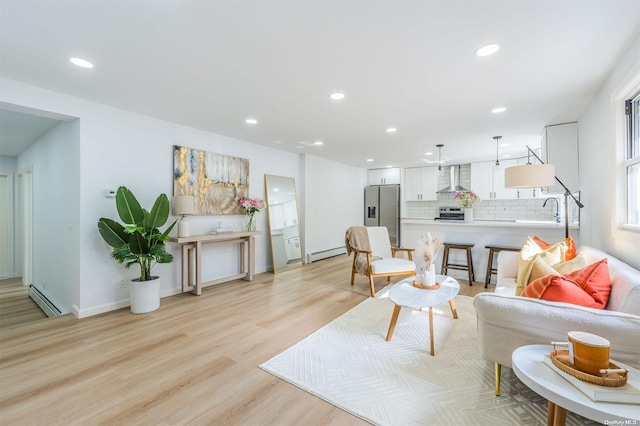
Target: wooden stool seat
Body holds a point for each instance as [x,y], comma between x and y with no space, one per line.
[493,250]
[468,267]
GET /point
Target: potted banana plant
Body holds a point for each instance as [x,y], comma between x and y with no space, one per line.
[139,242]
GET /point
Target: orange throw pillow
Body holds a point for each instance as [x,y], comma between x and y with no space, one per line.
[589,286]
[594,280]
[571,246]
[556,288]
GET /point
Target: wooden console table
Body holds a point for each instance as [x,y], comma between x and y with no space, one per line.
[192,258]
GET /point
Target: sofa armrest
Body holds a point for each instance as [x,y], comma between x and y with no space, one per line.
[507,264]
[508,322]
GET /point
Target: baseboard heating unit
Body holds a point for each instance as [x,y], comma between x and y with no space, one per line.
[47,306]
[324,254]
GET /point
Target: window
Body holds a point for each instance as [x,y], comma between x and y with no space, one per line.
[632,159]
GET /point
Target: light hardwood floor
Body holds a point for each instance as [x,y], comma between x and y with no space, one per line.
[194,361]
[16,307]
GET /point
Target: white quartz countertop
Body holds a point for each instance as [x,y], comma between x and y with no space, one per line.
[489,222]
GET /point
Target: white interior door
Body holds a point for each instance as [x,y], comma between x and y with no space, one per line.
[6,226]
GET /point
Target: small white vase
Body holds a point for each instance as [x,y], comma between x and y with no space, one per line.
[144,296]
[468,215]
[430,276]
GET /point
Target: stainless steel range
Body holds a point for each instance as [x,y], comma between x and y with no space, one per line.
[450,214]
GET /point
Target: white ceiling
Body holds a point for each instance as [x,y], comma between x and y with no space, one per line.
[410,65]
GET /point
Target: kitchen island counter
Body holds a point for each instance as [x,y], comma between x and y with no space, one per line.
[480,233]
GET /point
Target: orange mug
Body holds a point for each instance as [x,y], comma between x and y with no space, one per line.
[588,352]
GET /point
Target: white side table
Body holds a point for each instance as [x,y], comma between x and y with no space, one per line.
[528,364]
[405,295]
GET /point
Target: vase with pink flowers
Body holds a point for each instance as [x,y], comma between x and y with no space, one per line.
[467,200]
[251,206]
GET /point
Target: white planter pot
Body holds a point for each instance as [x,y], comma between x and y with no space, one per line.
[144,296]
[468,215]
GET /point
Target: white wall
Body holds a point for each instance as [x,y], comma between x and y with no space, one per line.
[600,155]
[118,147]
[54,160]
[334,201]
[8,164]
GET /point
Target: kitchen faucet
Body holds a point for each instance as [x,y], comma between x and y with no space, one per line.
[557,214]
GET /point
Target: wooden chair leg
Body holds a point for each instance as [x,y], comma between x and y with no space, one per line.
[469,266]
[373,289]
[353,268]
[487,278]
[497,367]
[445,261]
[473,273]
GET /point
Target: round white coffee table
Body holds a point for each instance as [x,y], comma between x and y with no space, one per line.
[528,364]
[405,295]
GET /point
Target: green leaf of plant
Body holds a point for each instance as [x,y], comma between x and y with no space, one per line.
[160,254]
[138,244]
[165,234]
[128,207]
[158,215]
[112,232]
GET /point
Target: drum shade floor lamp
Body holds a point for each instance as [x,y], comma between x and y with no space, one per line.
[538,176]
[183,205]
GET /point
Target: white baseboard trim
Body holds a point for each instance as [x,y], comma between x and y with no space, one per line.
[108,307]
[325,254]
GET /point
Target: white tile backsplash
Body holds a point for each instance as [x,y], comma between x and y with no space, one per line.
[487,209]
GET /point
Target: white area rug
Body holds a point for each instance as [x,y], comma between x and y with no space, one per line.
[349,364]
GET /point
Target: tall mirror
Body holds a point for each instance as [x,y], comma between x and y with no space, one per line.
[283,222]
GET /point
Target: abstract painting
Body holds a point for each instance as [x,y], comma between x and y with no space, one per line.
[216,181]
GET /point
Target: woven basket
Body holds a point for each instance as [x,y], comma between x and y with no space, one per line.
[560,358]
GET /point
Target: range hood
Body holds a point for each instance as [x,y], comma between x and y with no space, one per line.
[454,181]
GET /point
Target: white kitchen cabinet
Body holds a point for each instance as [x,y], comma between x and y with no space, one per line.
[560,148]
[277,216]
[487,180]
[388,176]
[420,183]
[292,246]
[503,193]
[527,194]
[290,213]
[482,179]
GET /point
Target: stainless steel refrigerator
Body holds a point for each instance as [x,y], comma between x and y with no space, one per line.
[382,208]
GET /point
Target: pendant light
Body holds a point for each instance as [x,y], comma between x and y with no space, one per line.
[440,158]
[497,139]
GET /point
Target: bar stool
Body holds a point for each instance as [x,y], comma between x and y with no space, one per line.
[468,267]
[493,250]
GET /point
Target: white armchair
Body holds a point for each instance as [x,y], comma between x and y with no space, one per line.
[374,256]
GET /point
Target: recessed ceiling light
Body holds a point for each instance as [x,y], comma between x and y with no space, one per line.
[498,110]
[369,160]
[318,143]
[487,50]
[81,62]
[428,153]
[392,130]
[251,121]
[337,96]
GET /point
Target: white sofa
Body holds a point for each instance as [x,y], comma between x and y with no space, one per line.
[507,321]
